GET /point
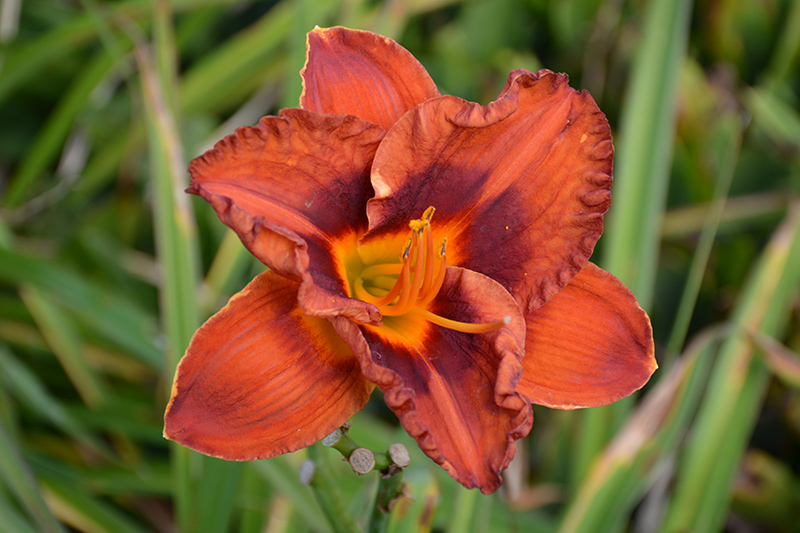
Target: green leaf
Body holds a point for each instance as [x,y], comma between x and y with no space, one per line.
[65,343]
[735,392]
[18,478]
[51,137]
[101,309]
[85,512]
[643,159]
[644,149]
[28,389]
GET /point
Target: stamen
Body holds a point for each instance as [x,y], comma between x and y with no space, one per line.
[439,281]
[463,326]
[380,292]
[409,297]
[362,293]
[378,271]
[402,282]
[395,293]
[428,279]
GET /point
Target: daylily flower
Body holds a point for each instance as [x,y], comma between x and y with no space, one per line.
[430,246]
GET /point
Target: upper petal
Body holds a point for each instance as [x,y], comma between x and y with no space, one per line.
[454,392]
[363,74]
[260,378]
[590,345]
[295,188]
[520,186]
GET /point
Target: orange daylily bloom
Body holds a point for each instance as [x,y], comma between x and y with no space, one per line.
[430,246]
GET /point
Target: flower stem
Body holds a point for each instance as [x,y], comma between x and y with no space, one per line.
[390,490]
[327,493]
[389,464]
[363,460]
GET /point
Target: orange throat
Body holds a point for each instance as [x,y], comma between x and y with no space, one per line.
[397,289]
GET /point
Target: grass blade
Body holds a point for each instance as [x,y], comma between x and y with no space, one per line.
[175,243]
[725,165]
[282,476]
[63,340]
[644,151]
[25,386]
[51,137]
[642,175]
[779,119]
[84,512]
[114,318]
[13,522]
[734,394]
[19,479]
[620,476]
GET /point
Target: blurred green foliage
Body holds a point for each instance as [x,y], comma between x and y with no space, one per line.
[105,273]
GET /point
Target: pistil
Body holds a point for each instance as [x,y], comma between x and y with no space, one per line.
[418,278]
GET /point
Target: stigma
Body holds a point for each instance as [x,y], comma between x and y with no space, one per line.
[410,285]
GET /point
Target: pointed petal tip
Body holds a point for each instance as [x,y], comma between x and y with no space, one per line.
[361,73]
[261,378]
[589,346]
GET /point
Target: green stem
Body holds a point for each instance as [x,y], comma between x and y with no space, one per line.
[390,489]
[367,460]
[328,495]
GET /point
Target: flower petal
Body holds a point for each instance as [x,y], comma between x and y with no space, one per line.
[360,73]
[261,378]
[520,186]
[454,392]
[590,345]
[295,188]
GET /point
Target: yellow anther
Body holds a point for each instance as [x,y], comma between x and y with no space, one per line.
[418,225]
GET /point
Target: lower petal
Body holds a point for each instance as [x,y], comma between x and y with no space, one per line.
[260,378]
[589,345]
[454,392]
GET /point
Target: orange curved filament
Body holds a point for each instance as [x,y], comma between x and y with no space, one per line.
[419,278]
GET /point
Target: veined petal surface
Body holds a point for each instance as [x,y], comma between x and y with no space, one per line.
[520,186]
[360,73]
[295,188]
[590,345]
[261,378]
[454,392]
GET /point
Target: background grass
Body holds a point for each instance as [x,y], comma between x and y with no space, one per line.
[107,268]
